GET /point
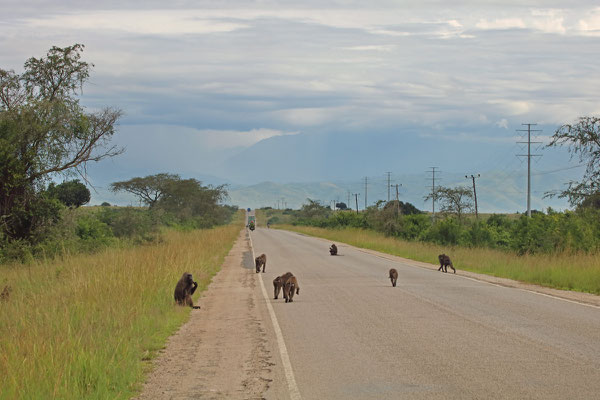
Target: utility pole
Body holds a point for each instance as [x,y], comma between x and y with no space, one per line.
[397,199]
[356,198]
[433,190]
[348,203]
[474,192]
[365,192]
[388,185]
[529,155]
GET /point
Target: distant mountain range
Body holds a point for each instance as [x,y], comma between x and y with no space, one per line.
[286,170]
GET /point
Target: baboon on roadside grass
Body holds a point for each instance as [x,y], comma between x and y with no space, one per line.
[333,250]
[393,276]
[445,262]
[288,289]
[279,283]
[260,261]
[5,293]
[184,290]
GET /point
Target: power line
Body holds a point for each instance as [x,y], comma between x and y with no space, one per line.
[356,198]
[365,192]
[433,190]
[388,184]
[474,192]
[529,155]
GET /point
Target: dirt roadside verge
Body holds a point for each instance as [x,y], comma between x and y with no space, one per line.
[226,350]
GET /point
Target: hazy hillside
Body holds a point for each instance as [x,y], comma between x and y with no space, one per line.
[499,192]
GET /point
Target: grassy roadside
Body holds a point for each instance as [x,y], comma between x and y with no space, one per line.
[85,326]
[578,272]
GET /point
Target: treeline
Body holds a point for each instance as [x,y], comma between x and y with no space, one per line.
[181,204]
[570,231]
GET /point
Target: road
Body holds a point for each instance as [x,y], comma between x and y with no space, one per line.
[350,335]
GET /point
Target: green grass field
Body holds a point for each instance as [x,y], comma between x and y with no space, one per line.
[85,326]
[578,272]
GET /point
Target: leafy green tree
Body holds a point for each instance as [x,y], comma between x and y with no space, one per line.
[313,209]
[458,200]
[45,131]
[187,199]
[583,141]
[72,193]
[148,189]
[341,206]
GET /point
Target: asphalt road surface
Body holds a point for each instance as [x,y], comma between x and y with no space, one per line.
[350,335]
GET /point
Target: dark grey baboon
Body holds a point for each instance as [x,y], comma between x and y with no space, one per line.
[184,290]
[445,262]
[289,287]
[279,282]
[261,261]
[393,276]
[333,250]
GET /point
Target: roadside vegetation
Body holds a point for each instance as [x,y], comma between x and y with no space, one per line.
[85,326]
[86,293]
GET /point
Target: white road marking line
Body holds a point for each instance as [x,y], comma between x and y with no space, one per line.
[285,359]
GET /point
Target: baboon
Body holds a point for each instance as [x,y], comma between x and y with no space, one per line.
[5,293]
[445,262]
[184,290]
[260,261]
[393,276]
[279,282]
[289,287]
[333,250]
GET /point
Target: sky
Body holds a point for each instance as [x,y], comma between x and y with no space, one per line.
[202,81]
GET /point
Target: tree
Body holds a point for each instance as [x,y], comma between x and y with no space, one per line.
[187,198]
[583,141]
[458,200]
[148,189]
[341,206]
[314,210]
[44,131]
[184,200]
[72,193]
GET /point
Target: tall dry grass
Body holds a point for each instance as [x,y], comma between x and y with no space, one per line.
[84,327]
[568,271]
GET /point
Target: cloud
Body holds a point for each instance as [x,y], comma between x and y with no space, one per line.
[146,22]
[590,25]
[505,23]
[503,123]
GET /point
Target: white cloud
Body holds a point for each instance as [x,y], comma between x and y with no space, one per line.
[503,123]
[590,25]
[504,23]
[153,22]
[512,107]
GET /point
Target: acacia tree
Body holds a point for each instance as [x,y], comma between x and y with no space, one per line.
[458,200]
[45,131]
[148,189]
[583,141]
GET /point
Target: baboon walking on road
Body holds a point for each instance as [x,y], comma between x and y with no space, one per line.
[393,276]
[184,290]
[261,261]
[288,290]
[445,262]
[279,283]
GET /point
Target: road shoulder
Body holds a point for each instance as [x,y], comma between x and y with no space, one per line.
[226,350]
